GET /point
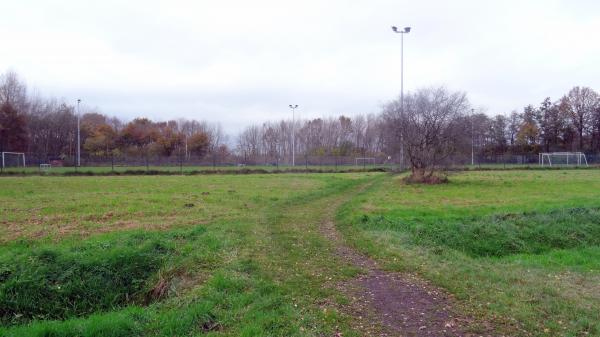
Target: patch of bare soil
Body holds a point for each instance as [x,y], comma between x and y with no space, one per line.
[398,304]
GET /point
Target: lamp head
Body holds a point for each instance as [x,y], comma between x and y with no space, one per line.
[395,29]
[407,29]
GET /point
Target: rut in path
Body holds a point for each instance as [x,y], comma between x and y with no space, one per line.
[395,304]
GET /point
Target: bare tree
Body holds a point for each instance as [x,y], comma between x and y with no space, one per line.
[514,124]
[581,103]
[553,124]
[270,140]
[498,134]
[430,128]
[249,144]
[529,132]
[13,91]
[13,102]
[13,134]
[596,129]
[216,138]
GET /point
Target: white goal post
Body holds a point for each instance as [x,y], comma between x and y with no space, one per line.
[365,160]
[562,158]
[7,159]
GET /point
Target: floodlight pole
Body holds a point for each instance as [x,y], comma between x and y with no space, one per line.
[406,30]
[472,139]
[293,107]
[78,134]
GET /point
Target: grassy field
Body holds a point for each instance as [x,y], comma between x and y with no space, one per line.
[243,255]
[167,256]
[514,246]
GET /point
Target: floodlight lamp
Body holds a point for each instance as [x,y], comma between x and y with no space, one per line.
[395,29]
[407,29]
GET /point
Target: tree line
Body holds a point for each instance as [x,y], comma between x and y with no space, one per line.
[570,123]
[322,140]
[46,128]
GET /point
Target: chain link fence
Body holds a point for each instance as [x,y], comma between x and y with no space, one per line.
[325,163]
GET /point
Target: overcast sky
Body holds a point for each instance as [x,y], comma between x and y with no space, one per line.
[241,62]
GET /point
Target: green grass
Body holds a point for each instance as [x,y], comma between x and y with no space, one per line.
[500,234]
[43,283]
[186,169]
[243,255]
[517,247]
[54,207]
[71,279]
[220,246]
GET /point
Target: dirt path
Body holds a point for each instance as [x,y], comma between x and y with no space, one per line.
[394,304]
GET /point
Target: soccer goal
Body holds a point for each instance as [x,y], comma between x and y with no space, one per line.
[364,161]
[13,159]
[563,158]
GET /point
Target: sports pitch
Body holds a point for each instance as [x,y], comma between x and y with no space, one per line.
[249,255]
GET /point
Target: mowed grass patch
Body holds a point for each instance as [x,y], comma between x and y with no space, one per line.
[481,193]
[56,207]
[520,248]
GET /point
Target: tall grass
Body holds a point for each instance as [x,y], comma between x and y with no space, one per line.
[78,278]
[501,234]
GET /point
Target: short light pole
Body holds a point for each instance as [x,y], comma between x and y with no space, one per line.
[472,139]
[78,134]
[406,30]
[293,107]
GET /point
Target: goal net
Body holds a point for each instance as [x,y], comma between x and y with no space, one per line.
[563,159]
[13,159]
